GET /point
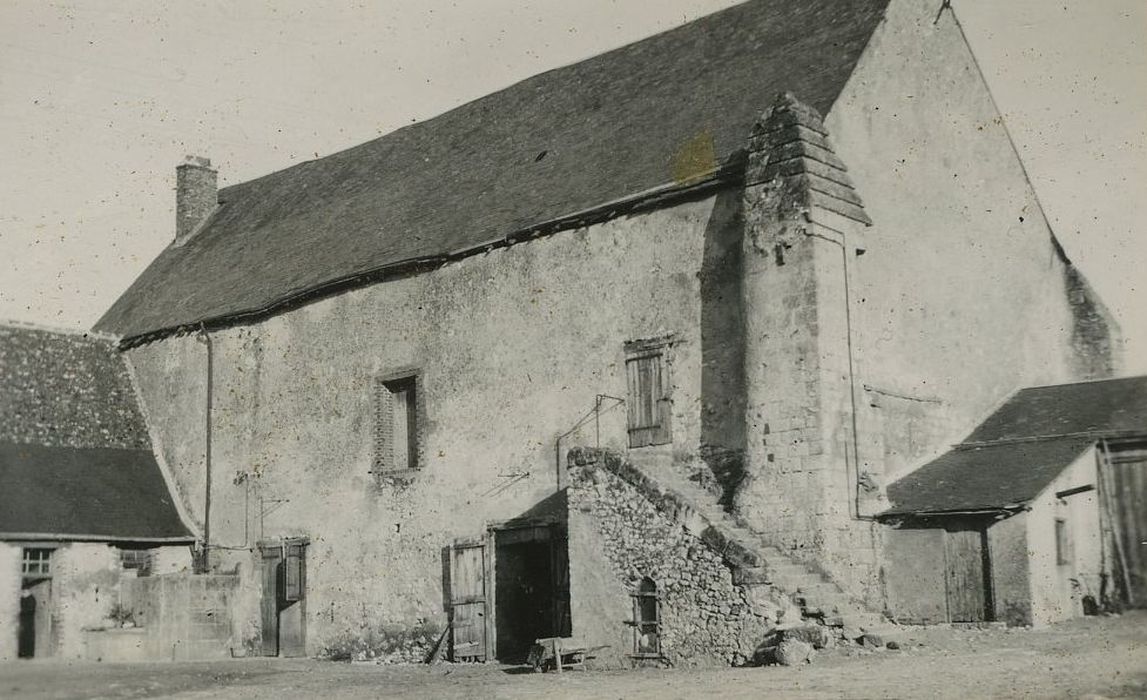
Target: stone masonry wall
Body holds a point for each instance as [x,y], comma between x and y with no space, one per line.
[705,617]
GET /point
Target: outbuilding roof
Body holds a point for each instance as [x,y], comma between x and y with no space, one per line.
[1013,455]
[85,493]
[667,112]
[75,456]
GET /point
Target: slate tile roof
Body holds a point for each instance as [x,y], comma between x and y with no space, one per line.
[100,494]
[1013,455]
[66,389]
[670,110]
[75,457]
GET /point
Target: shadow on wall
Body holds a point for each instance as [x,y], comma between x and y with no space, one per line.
[723,396]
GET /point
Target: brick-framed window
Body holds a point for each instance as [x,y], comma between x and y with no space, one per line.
[36,562]
[649,397]
[397,423]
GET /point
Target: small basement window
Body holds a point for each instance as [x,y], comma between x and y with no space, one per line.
[646,620]
[396,425]
[1063,553]
[37,562]
[649,397]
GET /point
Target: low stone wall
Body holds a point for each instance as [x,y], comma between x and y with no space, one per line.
[184,617]
[705,617]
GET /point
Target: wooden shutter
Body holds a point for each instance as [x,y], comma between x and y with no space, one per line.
[649,403]
[468,601]
[269,605]
[294,572]
[383,428]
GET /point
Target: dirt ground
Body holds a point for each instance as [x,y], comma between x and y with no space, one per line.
[1093,657]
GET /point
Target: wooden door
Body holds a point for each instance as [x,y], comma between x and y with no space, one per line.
[560,568]
[964,575]
[269,606]
[293,599]
[1127,503]
[468,597]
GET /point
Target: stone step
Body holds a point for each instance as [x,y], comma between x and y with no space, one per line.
[793,582]
[758,562]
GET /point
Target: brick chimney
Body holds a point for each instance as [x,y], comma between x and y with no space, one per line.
[196,195]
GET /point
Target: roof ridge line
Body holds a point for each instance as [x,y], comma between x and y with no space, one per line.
[58,330]
[1078,382]
[1094,434]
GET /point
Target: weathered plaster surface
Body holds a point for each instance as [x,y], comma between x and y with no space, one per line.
[85,582]
[512,347]
[9,599]
[1011,572]
[1057,590]
[959,296]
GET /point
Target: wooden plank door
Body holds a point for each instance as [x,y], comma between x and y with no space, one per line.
[964,564]
[468,597]
[293,600]
[1127,502]
[560,571]
[269,605]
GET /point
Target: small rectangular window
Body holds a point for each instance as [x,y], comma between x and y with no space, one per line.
[137,560]
[1063,553]
[37,562]
[646,620]
[396,425]
[648,399]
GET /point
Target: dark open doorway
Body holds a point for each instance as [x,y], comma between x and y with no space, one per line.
[531,588]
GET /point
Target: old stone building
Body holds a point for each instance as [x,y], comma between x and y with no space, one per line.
[83,501]
[753,269]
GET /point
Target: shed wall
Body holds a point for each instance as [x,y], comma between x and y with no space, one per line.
[1057,589]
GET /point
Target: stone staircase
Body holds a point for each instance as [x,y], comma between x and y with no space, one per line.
[758,562]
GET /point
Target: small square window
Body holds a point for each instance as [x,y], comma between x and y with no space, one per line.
[396,425]
[37,562]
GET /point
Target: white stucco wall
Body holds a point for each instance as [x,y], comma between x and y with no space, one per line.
[9,599]
[1055,595]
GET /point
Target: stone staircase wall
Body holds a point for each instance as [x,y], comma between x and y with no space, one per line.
[766,574]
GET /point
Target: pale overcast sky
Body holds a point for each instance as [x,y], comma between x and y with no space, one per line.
[100,100]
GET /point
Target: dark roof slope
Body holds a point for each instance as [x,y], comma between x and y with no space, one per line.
[75,457]
[1023,446]
[670,108]
[85,493]
[1106,407]
[983,478]
[66,389]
